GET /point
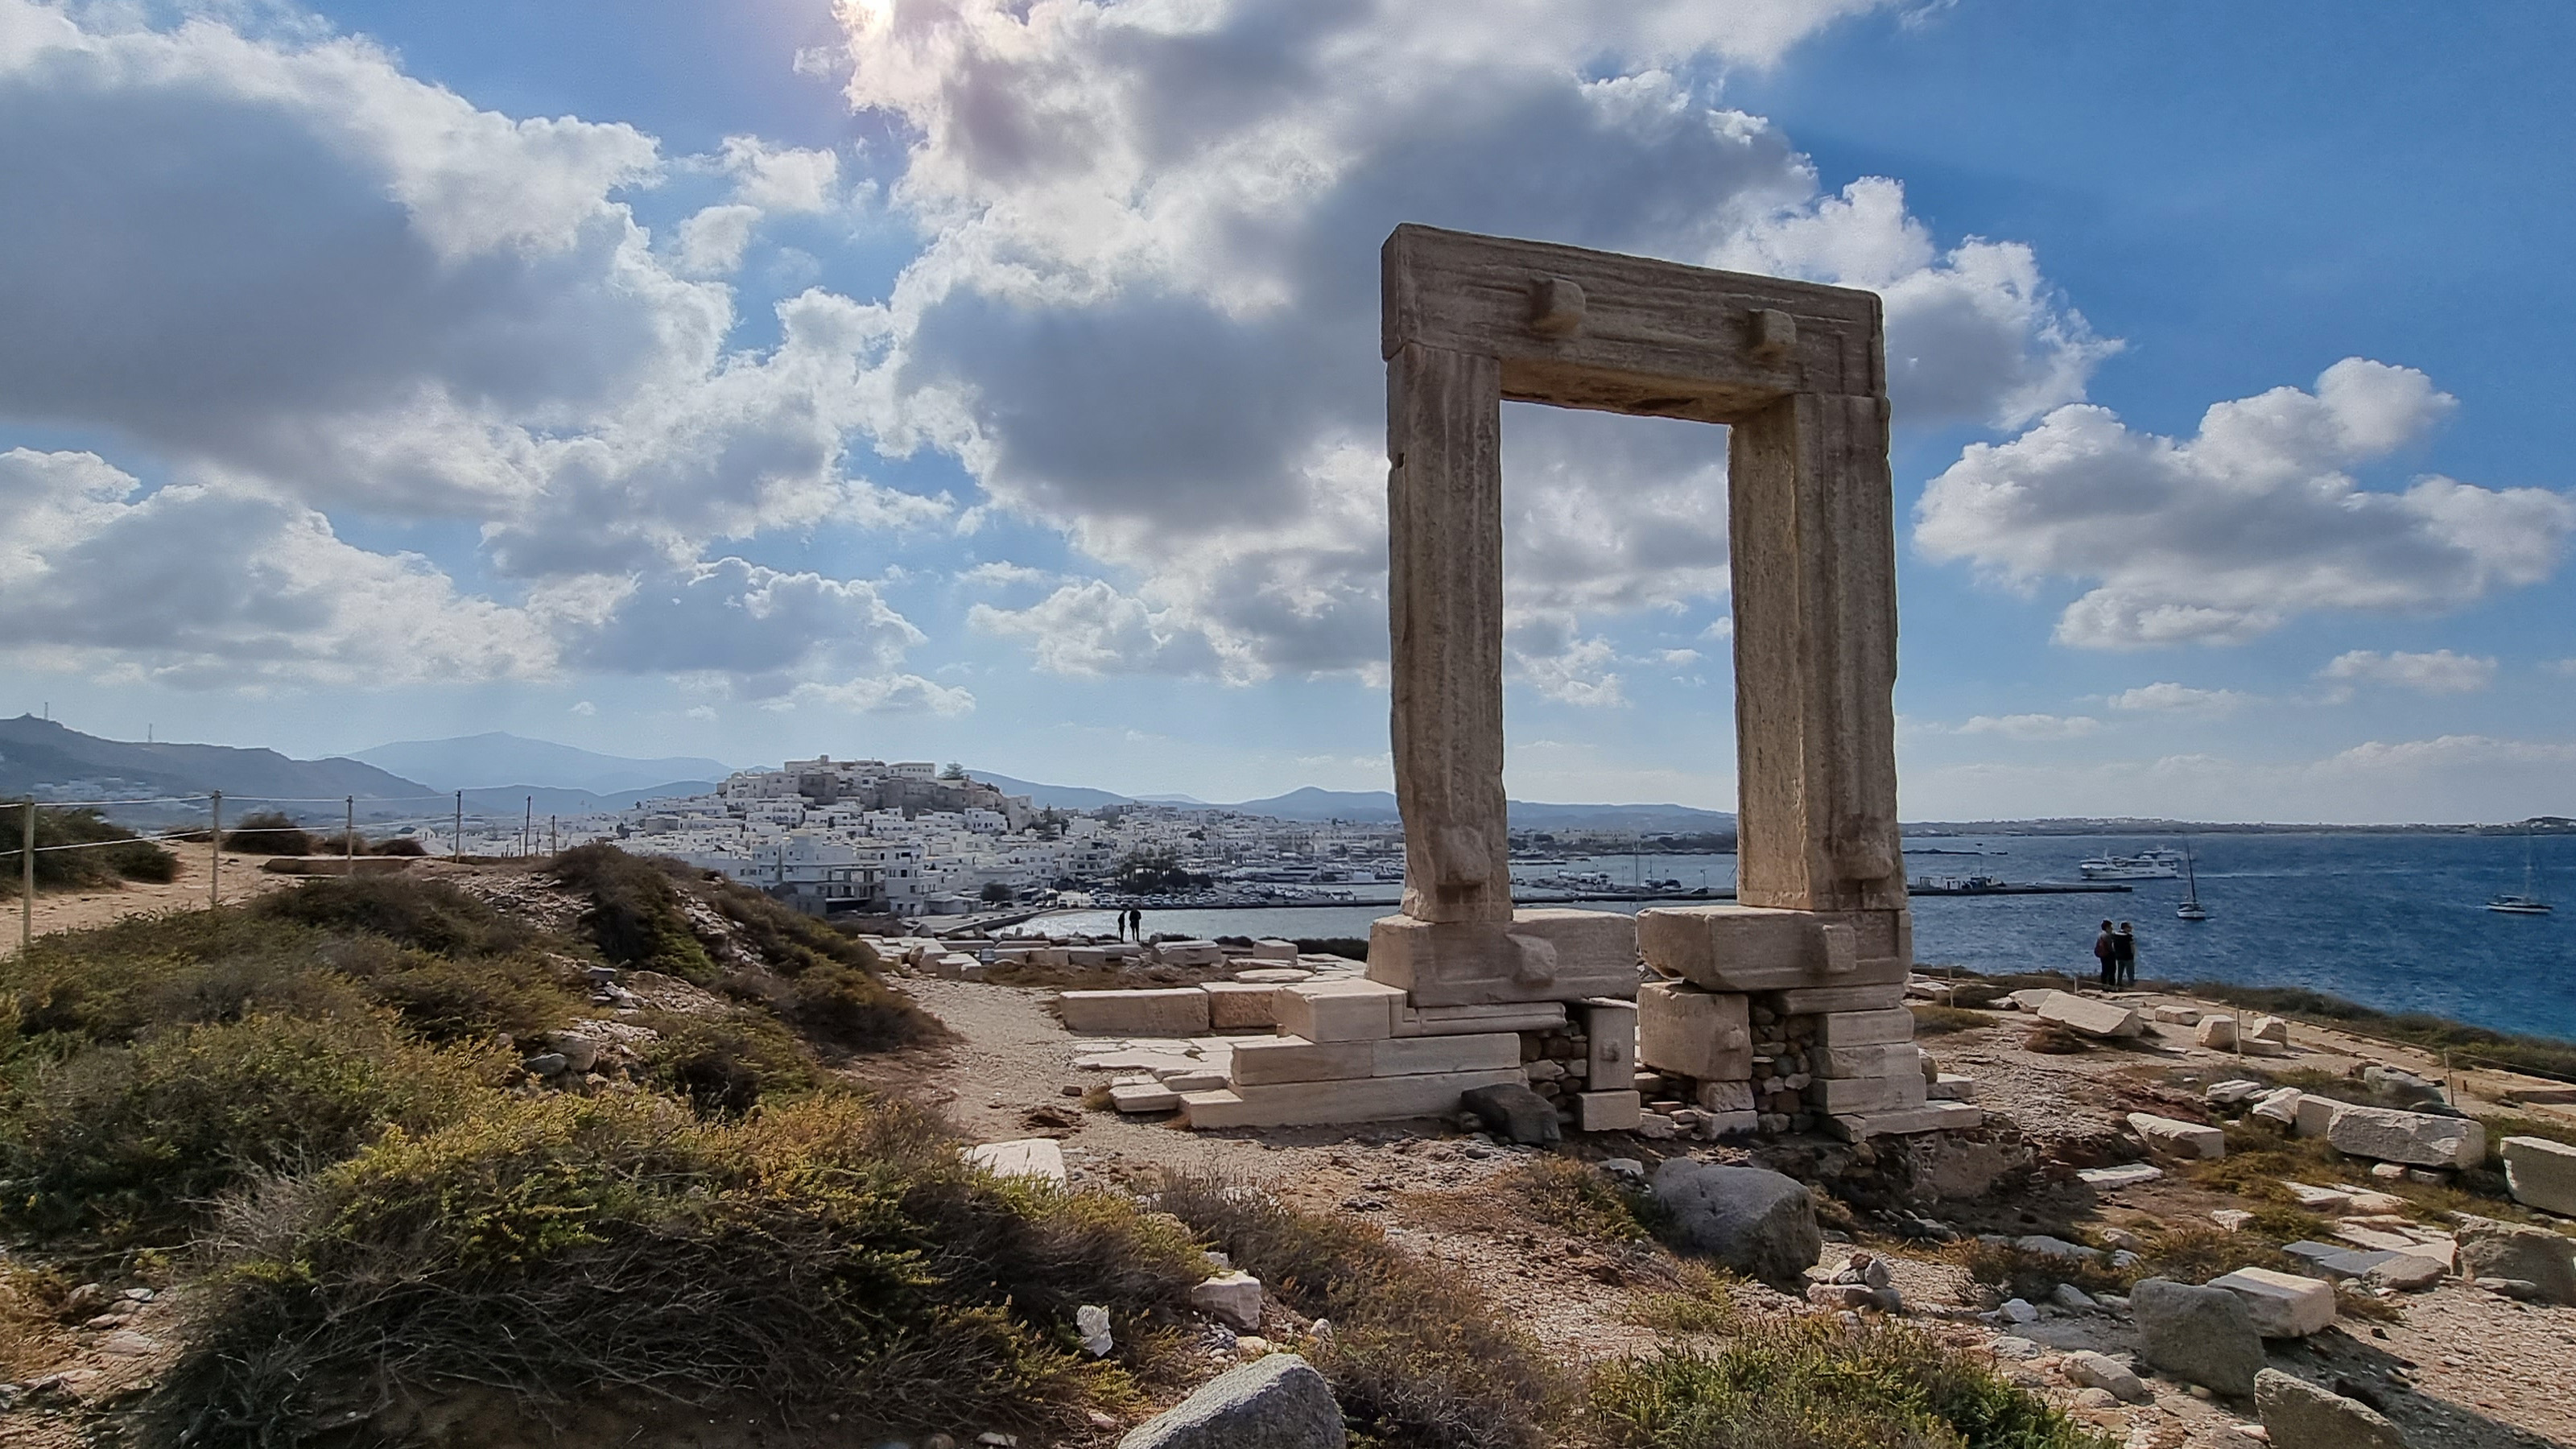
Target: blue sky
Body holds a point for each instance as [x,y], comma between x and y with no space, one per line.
[945,378]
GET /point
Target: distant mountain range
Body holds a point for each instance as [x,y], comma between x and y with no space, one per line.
[42,755]
[506,761]
[1367,807]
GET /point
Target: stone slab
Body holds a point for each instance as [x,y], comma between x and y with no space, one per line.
[1176,1011]
[1930,1117]
[1273,949]
[2386,1134]
[2284,1305]
[1753,948]
[1697,1033]
[1864,1028]
[1951,1087]
[1262,1061]
[2112,1179]
[1884,1060]
[1850,1096]
[1607,1111]
[1819,1000]
[2541,1173]
[2175,1138]
[1471,1020]
[1542,954]
[1144,1097]
[1343,1010]
[1240,1004]
[2087,1017]
[1038,1157]
[1413,1056]
[1273,975]
[1364,1099]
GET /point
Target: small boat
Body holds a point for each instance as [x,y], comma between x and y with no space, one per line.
[2528,903]
[2191,909]
[2158,863]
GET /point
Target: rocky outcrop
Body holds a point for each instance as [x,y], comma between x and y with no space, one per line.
[2490,1251]
[2203,1335]
[1758,1222]
[1278,1402]
[2297,1414]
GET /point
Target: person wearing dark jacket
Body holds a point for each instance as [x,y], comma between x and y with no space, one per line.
[2106,954]
[2124,958]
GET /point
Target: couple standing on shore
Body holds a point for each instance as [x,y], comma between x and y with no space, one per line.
[2117,953]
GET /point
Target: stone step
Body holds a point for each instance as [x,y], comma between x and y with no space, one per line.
[1365,1099]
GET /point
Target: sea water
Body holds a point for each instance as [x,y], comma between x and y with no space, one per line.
[2394,921]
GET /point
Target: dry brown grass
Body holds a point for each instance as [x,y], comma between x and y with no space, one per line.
[32,1335]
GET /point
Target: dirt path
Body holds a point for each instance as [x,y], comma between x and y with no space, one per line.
[73,910]
[2460,1367]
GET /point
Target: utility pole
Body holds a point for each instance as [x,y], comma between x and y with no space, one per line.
[215,857]
[349,835]
[528,828]
[27,880]
[554,839]
[456,842]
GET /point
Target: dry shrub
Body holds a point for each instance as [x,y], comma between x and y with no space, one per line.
[636,917]
[102,864]
[268,832]
[1417,1357]
[2053,1040]
[32,1336]
[1809,1383]
[432,915]
[725,1065]
[2020,1272]
[831,1258]
[1568,1193]
[1939,1020]
[1701,1300]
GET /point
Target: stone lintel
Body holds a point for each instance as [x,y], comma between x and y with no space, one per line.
[1539,955]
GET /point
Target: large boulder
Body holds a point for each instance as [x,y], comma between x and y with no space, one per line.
[2541,1174]
[2203,1335]
[2171,1137]
[2087,1017]
[1276,1402]
[2284,1305]
[2297,1414]
[2423,1139]
[2546,1260]
[1758,1222]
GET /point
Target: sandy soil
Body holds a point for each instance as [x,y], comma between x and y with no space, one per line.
[73,910]
[2460,1367]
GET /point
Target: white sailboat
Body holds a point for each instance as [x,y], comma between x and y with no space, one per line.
[2529,902]
[2191,909]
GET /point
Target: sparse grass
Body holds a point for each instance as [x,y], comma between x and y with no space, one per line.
[2467,1043]
[2017,1272]
[268,832]
[1809,1383]
[1416,1359]
[2190,1253]
[32,1335]
[830,1258]
[1937,1020]
[1701,1300]
[429,914]
[1571,1194]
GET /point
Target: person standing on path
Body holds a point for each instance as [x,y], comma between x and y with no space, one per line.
[2125,958]
[2106,955]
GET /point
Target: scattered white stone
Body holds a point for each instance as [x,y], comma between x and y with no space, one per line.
[2281,1106]
[2218,1033]
[2018,1310]
[2541,1173]
[2284,1305]
[2320,1199]
[2178,1015]
[2176,1138]
[2101,1371]
[1234,1297]
[2106,1179]
[1092,1322]
[2074,1299]
[2230,1092]
[2232,1219]
[1040,1157]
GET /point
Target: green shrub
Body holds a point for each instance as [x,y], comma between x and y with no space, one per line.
[1810,1383]
[636,917]
[430,914]
[1417,1358]
[445,999]
[846,1007]
[1568,1193]
[100,865]
[1701,1300]
[268,832]
[725,1065]
[127,1141]
[830,1258]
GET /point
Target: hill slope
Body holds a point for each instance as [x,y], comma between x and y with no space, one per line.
[497,759]
[36,754]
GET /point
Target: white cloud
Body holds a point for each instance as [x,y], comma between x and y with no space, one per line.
[2566,667]
[712,241]
[2223,536]
[208,585]
[2032,726]
[1001,573]
[1091,628]
[2440,672]
[782,178]
[584,708]
[1146,311]
[889,694]
[2170,698]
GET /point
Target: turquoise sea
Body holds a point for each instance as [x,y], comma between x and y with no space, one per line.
[2393,921]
